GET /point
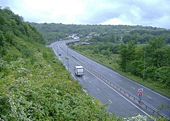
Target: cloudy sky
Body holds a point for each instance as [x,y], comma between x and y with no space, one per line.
[124,12]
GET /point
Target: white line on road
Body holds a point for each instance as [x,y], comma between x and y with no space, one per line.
[133,88]
[120,94]
[149,97]
[110,101]
[131,80]
[142,86]
[115,91]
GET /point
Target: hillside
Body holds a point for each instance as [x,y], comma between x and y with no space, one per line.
[108,33]
[34,85]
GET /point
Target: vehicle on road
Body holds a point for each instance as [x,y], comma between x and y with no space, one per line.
[79,70]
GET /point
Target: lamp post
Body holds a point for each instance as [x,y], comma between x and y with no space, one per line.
[57,49]
[144,62]
[67,59]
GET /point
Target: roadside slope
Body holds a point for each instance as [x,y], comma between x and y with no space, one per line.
[33,84]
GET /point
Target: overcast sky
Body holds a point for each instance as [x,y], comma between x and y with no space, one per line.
[126,12]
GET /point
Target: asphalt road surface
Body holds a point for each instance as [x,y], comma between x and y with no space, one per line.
[112,89]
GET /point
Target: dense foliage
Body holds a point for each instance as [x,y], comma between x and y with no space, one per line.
[33,84]
[107,33]
[150,62]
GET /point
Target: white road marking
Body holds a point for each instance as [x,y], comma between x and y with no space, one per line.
[115,91]
[110,102]
[133,88]
[142,86]
[120,94]
[149,97]
[133,81]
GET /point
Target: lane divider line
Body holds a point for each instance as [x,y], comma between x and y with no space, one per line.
[150,108]
[111,88]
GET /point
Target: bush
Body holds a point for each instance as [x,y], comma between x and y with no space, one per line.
[150,72]
[163,75]
[136,67]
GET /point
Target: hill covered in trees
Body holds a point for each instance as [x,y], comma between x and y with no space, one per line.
[34,85]
[108,33]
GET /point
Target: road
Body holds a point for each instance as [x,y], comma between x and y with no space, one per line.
[112,89]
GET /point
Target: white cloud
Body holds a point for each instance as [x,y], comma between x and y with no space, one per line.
[64,11]
[115,21]
[131,12]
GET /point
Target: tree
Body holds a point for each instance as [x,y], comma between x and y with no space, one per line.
[162,75]
[154,52]
[126,55]
[2,38]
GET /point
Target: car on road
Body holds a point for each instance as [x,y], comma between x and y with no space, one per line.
[79,70]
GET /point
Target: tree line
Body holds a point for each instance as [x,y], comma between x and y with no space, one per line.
[149,61]
[108,33]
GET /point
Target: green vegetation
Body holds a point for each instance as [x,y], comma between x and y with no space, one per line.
[132,51]
[33,84]
[148,64]
[108,33]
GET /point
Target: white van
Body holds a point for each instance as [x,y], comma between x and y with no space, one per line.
[79,70]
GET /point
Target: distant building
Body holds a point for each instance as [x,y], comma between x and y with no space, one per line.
[73,36]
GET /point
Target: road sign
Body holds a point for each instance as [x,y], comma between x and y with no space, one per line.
[140,92]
